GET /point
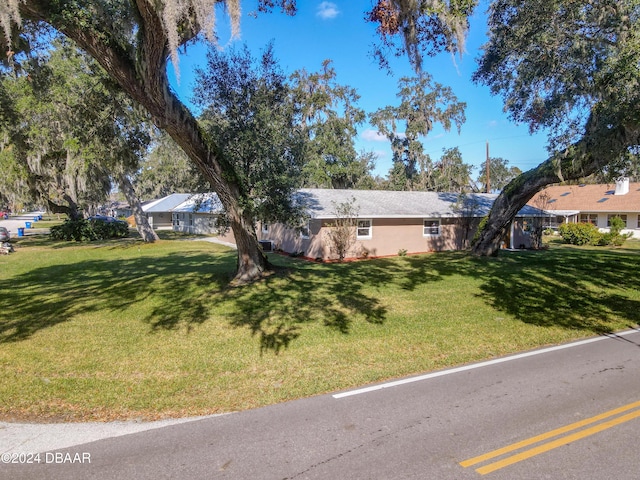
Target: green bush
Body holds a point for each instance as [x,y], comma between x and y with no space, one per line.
[82,230]
[579,233]
[105,230]
[588,234]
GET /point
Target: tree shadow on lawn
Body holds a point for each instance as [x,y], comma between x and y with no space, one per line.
[334,295]
[567,287]
[571,288]
[47,296]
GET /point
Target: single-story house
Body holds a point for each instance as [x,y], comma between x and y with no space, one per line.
[198,214]
[159,212]
[117,209]
[391,222]
[596,204]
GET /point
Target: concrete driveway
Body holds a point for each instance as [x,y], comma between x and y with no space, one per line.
[19,221]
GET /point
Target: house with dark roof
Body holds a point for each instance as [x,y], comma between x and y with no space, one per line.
[390,222]
[596,204]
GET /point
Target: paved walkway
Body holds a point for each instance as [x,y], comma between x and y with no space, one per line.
[46,437]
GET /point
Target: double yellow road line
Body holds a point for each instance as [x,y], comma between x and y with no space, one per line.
[545,447]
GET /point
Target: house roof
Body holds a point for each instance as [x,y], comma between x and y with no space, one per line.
[588,198]
[321,203]
[166,204]
[201,203]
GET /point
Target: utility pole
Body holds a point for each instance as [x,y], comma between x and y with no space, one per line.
[487,167]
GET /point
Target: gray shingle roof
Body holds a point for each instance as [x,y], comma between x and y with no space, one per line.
[400,204]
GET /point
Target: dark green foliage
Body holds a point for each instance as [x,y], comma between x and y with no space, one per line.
[82,230]
[329,117]
[248,111]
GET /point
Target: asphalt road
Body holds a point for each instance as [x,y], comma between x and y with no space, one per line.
[566,413]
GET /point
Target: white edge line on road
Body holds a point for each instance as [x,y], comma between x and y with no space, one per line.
[473,366]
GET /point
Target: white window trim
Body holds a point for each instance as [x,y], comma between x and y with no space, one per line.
[424,234]
[369,228]
[588,218]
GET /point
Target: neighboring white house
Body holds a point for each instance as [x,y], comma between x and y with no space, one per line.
[159,211]
[198,214]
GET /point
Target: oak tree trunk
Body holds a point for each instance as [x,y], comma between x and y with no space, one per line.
[142,222]
[252,262]
[596,149]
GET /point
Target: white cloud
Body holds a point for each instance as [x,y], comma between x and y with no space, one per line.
[371,135]
[327,10]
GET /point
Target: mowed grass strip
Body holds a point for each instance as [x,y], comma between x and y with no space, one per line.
[121,330]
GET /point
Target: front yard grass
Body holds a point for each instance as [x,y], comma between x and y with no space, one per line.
[121,330]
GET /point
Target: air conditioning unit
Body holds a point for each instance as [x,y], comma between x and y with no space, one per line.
[267,245]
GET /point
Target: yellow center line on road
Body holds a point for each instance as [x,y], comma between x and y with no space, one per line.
[553,444]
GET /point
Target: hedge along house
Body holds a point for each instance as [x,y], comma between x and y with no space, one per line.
[392,222]
[596,204]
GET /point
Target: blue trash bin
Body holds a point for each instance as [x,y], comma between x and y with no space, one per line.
[35,219]
[27,224]
[20,232]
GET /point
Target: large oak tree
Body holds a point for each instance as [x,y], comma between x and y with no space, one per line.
[569,66]
[573,68]
[134,39]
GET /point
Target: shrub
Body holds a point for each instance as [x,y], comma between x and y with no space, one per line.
[82,230]
[580,233]
[588,234]
[614,237]
[104,230]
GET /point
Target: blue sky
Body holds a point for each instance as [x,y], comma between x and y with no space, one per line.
[337,31]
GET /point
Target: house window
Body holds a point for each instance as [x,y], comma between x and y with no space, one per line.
[431,227]
[265,228]
[364,229]
[589,218]
[622,217]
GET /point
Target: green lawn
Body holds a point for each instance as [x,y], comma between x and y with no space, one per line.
[126,330]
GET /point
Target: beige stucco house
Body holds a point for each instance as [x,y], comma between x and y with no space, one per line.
[392,222]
